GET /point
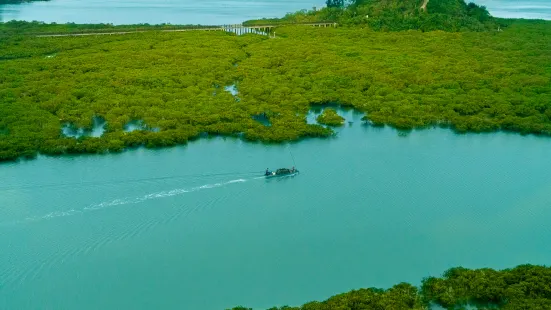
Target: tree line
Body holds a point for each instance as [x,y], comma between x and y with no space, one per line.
[522,287]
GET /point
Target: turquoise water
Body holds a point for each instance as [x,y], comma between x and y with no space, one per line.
[210,12]
[207,11]
[195,227]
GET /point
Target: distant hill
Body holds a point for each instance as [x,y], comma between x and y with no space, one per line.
[413,7]
[451,15]
[396,15]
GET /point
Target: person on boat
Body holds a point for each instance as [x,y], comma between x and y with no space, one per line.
[267,172]
[293,170]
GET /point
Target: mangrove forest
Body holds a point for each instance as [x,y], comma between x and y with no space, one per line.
[176,83]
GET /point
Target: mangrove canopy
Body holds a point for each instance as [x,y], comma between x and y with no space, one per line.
[522,287]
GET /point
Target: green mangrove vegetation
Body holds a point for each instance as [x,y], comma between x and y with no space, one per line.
[464,78]
[330,117]
[173,81]
[522,287]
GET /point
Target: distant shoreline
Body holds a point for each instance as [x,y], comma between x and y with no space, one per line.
[503,10]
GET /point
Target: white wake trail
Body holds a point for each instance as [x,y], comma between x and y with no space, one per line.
[124,201]
[163,194]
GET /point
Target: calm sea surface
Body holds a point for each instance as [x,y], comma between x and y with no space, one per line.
[196,227]
[207,11]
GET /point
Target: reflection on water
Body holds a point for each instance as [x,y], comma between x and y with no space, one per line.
[349,114]
[262,119]
[232,89]
[137,125]
[134,125]
[97,130]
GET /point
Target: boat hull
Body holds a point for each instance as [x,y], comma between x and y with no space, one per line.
[276,175]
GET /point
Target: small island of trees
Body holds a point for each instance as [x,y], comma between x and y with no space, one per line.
[330,117]
[522,287]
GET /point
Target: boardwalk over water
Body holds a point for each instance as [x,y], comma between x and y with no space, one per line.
[238,29]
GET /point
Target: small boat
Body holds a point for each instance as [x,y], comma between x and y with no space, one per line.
[281,172]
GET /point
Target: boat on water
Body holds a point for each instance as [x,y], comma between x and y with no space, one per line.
[281,172]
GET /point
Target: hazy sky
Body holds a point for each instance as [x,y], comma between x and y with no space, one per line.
[518,9]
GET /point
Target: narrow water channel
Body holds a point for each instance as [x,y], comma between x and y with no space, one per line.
[198,227]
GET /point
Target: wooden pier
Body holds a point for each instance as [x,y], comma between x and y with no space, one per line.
[242,29]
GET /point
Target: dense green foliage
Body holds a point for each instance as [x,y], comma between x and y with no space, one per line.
[167,80]
[397,15]
[330,117]
[174,81]
[523,287]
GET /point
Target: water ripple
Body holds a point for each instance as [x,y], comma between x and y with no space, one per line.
[122,201]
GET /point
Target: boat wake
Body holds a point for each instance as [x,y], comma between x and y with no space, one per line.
[125,201]
[163,194]
[37,264]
